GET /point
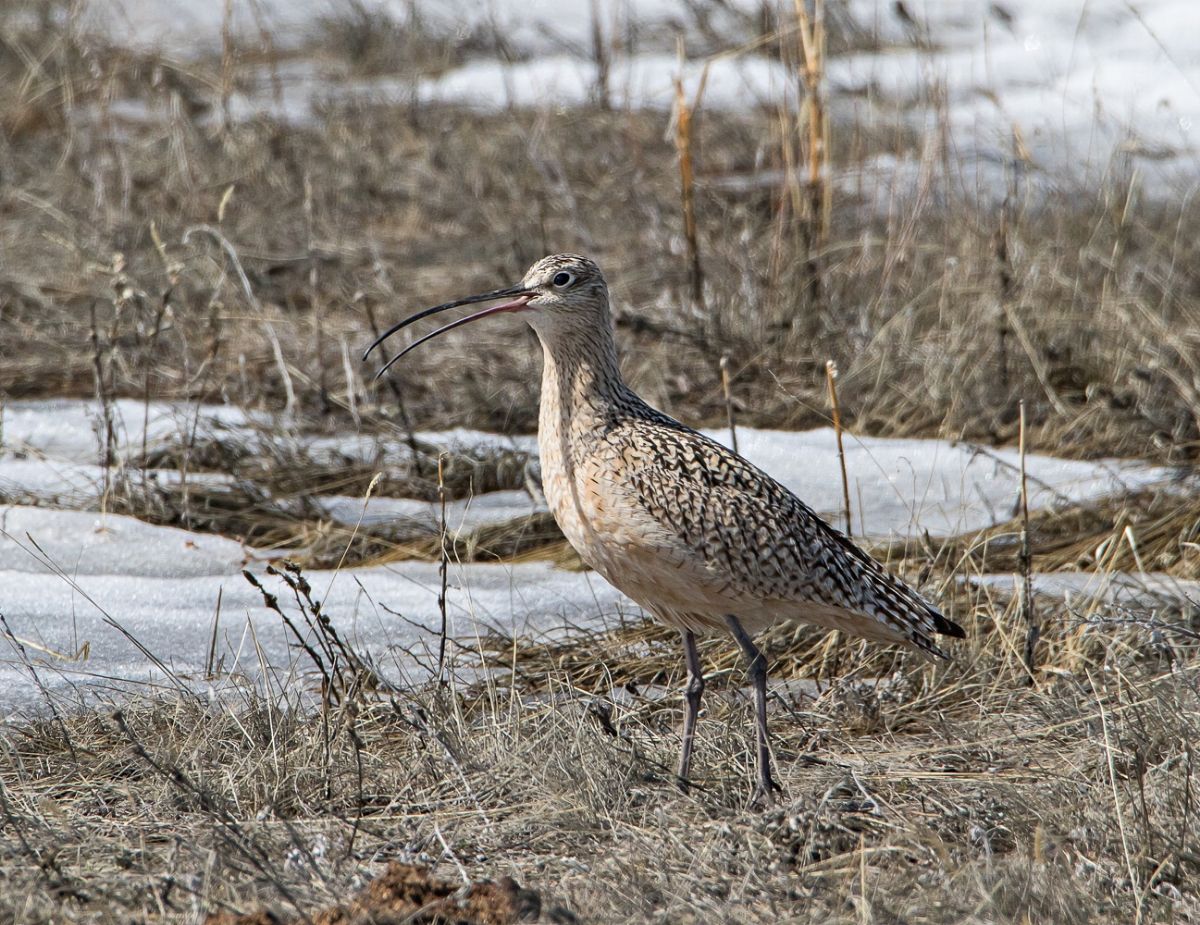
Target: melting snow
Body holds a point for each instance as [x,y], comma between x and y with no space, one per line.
[1083,592]
[88,543]
[462,516]
[69,429]
[1018,85]
[162,584]
[897,487]
[903,487]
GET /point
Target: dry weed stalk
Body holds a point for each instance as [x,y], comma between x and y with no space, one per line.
[315,310]
[836,411]
[601,57]
[210,658]
[817,203]
[1025,563]
[352,382]
[102,368]
[345,674]
[1004,277]
[228,64]
[443,567]
[1123,222]
[684,113]
[164,306]
[728,393]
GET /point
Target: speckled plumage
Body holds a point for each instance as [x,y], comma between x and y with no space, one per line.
[684,526]
[693,532]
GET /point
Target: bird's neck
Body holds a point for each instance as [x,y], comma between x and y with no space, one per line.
[581,381]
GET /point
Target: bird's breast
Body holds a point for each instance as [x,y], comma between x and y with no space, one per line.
[594,501]
[581,502]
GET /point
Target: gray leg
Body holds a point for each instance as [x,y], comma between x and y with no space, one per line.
[758,677]
[692,694]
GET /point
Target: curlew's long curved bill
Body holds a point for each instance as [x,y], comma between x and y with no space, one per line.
[521,297]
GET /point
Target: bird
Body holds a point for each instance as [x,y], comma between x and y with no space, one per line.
[698,536]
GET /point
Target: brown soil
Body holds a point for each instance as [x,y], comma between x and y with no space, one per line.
[410,894]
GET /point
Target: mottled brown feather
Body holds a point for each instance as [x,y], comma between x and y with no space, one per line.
[684,526]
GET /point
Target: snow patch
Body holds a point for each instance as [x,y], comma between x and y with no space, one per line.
[88,543]
[1084,591]
[462,516]
[901,488]
[898,488]
[1021,87]
[162,586]
[72,429]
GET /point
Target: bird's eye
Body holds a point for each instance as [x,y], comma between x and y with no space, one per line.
[563,279]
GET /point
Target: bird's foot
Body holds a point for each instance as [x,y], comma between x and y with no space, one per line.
[765,794]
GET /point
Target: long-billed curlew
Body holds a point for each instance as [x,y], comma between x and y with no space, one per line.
[693,532]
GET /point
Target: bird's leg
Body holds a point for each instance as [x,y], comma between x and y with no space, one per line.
[691,695]
[758,677]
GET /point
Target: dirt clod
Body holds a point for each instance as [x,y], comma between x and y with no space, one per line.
[409,893]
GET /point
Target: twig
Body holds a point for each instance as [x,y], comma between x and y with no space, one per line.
[819,201]
[687,182]
[271,602]
[227,62]
[163,305]
[1004,273]
[443,566]
[106,432]
[449,853]
[276,349]
[348,671]
[316,314]
[831,380]
[212,641]
[602,58]
[1025,561]
[728,403]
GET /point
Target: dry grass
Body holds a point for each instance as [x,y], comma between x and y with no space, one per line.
[372,210]
[913,792]
[271,501]
[1146,531]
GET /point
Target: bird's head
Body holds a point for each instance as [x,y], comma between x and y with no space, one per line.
[559,292]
